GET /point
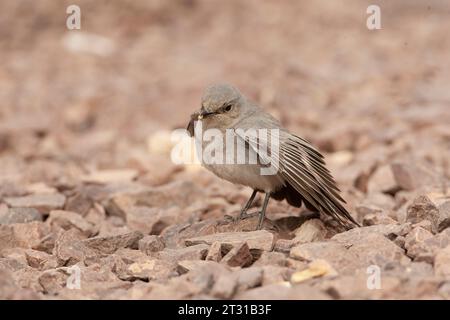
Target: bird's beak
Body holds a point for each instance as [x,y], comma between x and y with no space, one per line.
[204,114]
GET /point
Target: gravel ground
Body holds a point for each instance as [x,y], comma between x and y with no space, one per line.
[91,206]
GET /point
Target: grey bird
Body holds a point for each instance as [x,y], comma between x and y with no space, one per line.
[301,175]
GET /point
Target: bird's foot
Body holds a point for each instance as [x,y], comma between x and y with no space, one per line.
[242,216]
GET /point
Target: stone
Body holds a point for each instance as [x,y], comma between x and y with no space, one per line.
[185,266]
[444,216]
[148,269]
[284,245]
[424,248]
[238,256]
[24,235]
[46,243]
[151,244]
[376,219]
[366,209]
[249,278]
[40,260]
[225,286]
[196,252]
[275,274]
[110,244]
[423,209]
[67,220]
[283,292]
[442,262]
[316,268]
[271,258]
[19,215]
[410,176]
[260,240]
[44,203]
[80,203]
[214,252]
[390,231]
[352,250]
[53,281]
[69,248]
[382,180]
[11,264]
[110,176]
[310,230]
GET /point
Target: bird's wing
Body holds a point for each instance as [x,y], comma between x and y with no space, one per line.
[303,167]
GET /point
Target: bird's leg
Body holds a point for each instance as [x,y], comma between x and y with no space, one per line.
[262,214]
[247,205]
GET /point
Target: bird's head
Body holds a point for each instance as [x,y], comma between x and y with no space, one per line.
[221,106]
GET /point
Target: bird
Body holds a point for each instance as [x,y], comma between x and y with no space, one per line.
[301,176]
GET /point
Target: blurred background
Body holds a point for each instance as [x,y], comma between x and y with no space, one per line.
[107,96]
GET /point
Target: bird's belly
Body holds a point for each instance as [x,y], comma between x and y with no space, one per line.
[247,175]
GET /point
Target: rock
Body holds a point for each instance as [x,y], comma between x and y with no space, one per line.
[423,209]
[376,219]
[444,216]
[382,180]
[11,264]
[238,256]
[109,244]
[327,250]
[130,256]
[442,262]
[67,220]
[316,268]
[144,219]
[423,247]
[225,286]
[249,278]
[310,230]
[19,215]
[69,248]
[390,231]
[28,278]
[271,258]
[148,269]
[414,239]
[444,290]
[53,281]
[352,250]
[153,220]
[40,260]
[175,194]
[44,203]
[260,240]
[284,245]
[46,243]
[275,274]
[24,235]
[151,244]
[380,200]
[185,266]
[80,203]
[9,290]
[410,176]
[215,252]
[283,292]
[356,286]
[363,210]
[196,252]
[110,176]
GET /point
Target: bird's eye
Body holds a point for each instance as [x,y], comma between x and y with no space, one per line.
[228,107]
